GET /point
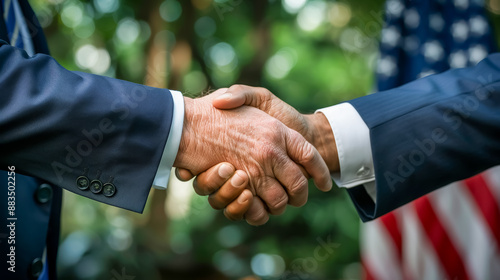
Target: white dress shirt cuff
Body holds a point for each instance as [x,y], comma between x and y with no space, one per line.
[352,138]
[172,146]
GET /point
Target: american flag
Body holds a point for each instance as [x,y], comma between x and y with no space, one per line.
[454,232]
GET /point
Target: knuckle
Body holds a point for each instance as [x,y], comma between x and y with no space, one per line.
[279,204]
[258,220]
[269,150]
[308,153]
[257,216]
[255,174]
[236,88]
[300,185]
[224,198]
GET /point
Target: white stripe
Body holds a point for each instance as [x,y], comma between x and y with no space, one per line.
[467,229]
[418,255]
[379,252]
[492,176]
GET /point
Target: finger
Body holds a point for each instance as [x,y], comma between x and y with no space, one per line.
[257,214]
[211,180]
[304,153]
[273,195]
[239,95]
[231,189]
[183,174]
[236,210]
[291,177]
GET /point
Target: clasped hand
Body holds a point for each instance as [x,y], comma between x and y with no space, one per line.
[253,160]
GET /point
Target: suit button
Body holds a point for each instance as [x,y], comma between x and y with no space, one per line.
[44,193]
[36,268]
[96,186]
[82,183]
[108,189]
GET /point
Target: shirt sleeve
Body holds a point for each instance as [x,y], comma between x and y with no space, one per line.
[172,146]
[352,138]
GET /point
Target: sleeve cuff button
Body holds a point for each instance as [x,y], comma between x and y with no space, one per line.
[82,183]
[96,186]
[108,190]
[363,171]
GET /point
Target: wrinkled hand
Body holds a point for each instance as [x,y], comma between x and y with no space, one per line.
[269,152]
[314,128]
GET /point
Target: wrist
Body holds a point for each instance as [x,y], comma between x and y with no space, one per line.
[321,136]
[184,157]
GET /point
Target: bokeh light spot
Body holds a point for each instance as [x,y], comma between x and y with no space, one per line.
[339,14]
[180,243]
[205,27]
[312,16]
[72,15]
[106,6]
[229,236]
[96,60]
[170,10]
[228,263]
[128,30]
[86,28]
[280,64]
[222,54]
[293,6]
[268,265]
[194,82]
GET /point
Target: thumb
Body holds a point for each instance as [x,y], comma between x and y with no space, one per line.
[183,174]
[229,100]
[239,95]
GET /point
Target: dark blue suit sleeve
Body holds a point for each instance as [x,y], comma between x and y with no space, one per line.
[58,125]
[429,133]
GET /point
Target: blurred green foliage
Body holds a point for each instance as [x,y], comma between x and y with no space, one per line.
[312,54]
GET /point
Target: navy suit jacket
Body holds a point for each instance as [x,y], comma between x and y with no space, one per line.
[57,125]
[429,133]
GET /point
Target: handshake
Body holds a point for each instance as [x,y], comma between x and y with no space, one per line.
[252,153]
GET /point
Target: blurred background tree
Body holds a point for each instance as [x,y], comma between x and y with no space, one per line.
[312,54]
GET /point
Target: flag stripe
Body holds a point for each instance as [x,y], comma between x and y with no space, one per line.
[367,273]
[392,226]
[420,261]
[461,219]
[380,256]
[445,250]
[487,204]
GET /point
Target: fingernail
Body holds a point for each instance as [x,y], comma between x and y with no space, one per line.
[225,171]
[237,180]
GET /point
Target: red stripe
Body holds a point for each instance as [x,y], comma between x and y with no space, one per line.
[486,203]
[391,225]
[367,273]
[450,259]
